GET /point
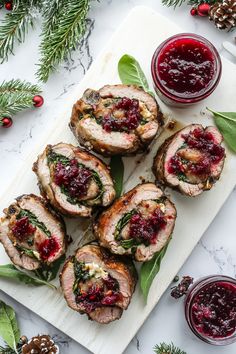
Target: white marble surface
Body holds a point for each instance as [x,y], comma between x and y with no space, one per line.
[216,253]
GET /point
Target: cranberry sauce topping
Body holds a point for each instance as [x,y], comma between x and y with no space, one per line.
[186,66]
[213,310]
[98,294]
[202,141]
[129,118]
[22,229]
[72,177]
[48,248]
[146,229]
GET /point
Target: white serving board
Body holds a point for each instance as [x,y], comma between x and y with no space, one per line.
[139,35]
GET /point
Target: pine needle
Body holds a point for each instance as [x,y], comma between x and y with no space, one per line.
[173,2]
[15,26]
[67,27]
[16,95]
[164,348]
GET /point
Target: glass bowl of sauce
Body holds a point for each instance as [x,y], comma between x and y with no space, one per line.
[186,68]
[210,309]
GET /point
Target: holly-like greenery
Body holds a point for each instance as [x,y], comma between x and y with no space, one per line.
[189,2]
[63,26]
[16,95]
[164,348]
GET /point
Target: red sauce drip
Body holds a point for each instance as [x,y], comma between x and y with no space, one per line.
[203,141]
[214,310]
[22,229]
[129,122]
[48,248]
[74,177]
[147,229]
[98,296]
[186,66]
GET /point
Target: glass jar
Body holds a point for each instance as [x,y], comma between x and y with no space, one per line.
[186,68]
[210,309]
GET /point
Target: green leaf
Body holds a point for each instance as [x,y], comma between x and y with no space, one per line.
[9,329]
[34,221]
[131,73]
[226,123]
[9,271]
[49,272]
[117,173]
[150,269]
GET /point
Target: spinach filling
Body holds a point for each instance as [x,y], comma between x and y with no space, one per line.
[54,158]
[34,221]
[80,275]
[28,252]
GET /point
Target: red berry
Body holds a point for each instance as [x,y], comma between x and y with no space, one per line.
[8,6]
[38,101]
[193,11]
[6,122]
[203,9]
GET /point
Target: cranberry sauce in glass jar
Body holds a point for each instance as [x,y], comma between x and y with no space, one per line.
[186,68]
[210,309]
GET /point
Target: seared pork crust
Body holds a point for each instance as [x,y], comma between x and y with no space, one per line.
[145,202]
[44,224]
[100,191]
[88,112]
[193,185]
[120,269]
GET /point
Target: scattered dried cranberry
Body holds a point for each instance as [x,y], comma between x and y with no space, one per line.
[147,229]
[182,288]
[48,248]
[22,229]
[129,122]
[74,177]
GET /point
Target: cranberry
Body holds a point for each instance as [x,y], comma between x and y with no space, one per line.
[186,66]
[214,310]
[175,165]
[74,177]
[111,283]
[110,299]
[22,229]
[48,248]
[129,122]
[146,230]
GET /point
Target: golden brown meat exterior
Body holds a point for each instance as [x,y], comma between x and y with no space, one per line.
[100,122]
[190,160]
[73,180]
[96,283]
[31,233]
[140,223]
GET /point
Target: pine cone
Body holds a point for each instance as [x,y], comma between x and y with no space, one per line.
[40,345]
[223,13]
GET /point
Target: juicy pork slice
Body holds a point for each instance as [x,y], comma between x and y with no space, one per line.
[140,223]
[191,160]
[73,180]
[31,233]
[98,284]
[117,119]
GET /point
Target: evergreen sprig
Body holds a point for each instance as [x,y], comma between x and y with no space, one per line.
[164,348]
[8,350]
[16,95]
[15,26]
[67,25]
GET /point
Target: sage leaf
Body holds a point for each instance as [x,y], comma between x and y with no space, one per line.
[150,269]
[130,73]
[49,272]
[9,271]
[9,329]
[226,123]
[117,173]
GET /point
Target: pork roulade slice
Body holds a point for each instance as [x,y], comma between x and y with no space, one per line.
[98,284]
[31,233]
[140,223]
[73,180]
[191,160]
[117,119]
